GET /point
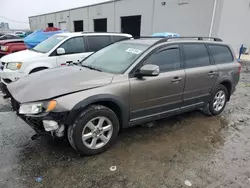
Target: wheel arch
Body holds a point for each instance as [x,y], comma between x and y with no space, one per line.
[37,68]
[110,101]
[228,84]
[34,66]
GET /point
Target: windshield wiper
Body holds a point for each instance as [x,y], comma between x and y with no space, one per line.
[92,68]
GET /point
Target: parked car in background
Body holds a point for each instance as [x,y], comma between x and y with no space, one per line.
[58,50]
[125,84]
[166,34]
[20,34]
[8,36]
[28,33]
[11,46]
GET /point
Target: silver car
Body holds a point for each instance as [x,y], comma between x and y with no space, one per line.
[125,84]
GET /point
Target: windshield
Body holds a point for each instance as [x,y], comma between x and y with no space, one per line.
[48,44]
[115,58]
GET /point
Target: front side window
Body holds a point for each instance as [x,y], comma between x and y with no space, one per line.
[98,42]
[221,54]
[116,58]
[167,59]
[196,55]
[74,45]
[49,44]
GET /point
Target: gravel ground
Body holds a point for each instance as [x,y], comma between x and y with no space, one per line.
[186,150]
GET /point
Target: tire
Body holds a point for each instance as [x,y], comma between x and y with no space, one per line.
[82,126]
[213,109]
[37,70]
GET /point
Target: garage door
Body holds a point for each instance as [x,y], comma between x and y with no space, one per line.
[63,25]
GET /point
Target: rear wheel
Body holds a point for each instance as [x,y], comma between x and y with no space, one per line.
[94,130]
[218,102]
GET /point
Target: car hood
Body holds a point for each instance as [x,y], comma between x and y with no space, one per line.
[2,42]
[22,56]
[55,82]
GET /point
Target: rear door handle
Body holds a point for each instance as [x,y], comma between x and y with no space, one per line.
[176,79]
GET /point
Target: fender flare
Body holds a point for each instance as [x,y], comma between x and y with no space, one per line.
[100,98]
[37,65]
[224,79]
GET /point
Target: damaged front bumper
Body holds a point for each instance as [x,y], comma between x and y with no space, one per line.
[52,123]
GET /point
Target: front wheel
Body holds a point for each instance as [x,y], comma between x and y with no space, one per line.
[218,102]
[94,130]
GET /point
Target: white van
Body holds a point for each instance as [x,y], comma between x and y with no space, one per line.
[58,50]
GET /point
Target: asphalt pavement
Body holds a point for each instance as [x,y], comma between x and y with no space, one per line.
[189,150]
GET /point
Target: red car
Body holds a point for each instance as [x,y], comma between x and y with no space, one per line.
[11,46]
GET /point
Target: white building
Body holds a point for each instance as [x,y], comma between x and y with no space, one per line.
[4,25]
[218,18]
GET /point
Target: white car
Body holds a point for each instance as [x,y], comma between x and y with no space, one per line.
[58,50]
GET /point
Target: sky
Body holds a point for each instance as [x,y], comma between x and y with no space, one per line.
[16,12]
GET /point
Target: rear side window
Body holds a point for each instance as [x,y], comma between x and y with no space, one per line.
[221,54]
[74,45]
[196,55]
[167,59]
[98,42]
[118,38]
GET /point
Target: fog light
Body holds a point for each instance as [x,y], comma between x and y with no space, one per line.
[50,125]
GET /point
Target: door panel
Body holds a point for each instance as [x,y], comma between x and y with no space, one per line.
[74,51]
[152,95]
[201,74]
[199,83]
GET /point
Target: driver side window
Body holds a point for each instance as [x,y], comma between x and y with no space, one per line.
[74,45]
[168,59]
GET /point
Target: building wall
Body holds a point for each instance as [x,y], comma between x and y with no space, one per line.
[234,25]
[32,21]
[50,18]
[133,8]
[186,17]
[79,14]
[217,18]
[63,17]
[40,22]
[102,11]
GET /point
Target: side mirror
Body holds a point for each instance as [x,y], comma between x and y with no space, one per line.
[149,70]
[60,51]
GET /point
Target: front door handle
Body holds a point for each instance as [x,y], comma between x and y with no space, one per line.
[176,79]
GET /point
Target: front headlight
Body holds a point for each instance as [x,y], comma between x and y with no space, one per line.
[14,66]
[4,48]
[36,108]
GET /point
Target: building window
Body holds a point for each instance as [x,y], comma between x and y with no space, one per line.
[50,25]
[100,25]
[78,26]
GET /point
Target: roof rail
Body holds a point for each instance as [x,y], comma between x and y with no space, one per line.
[198,38]
[86,32]
[166,39]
